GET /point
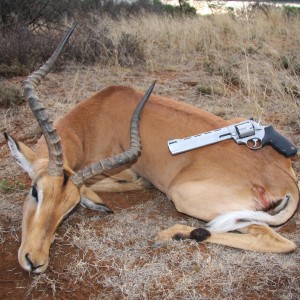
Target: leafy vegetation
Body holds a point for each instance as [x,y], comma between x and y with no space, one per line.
[41,13]
[7,186]
[29,29]
[291,11]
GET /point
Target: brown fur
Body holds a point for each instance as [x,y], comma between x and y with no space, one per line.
[203,183]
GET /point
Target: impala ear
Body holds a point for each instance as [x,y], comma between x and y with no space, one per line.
[91,200]
[23,155]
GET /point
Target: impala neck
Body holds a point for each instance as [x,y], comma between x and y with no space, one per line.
[73,159]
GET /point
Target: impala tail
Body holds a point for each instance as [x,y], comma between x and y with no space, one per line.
[276,215]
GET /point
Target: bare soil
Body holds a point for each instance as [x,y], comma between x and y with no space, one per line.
[98,256]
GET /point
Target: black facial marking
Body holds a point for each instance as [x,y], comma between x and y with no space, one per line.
[29,261]
[32,266]
[66,178]
[242,221]
[66,216]
[200,234]
[122,181]
[34,193]
[70,212]
[6,136]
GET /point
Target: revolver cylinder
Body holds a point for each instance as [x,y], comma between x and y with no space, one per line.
[245,129]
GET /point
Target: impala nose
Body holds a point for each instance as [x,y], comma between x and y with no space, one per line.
[31,264]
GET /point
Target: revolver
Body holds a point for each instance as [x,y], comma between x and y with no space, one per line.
[250,133]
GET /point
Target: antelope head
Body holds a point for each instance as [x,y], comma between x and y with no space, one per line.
[56,189]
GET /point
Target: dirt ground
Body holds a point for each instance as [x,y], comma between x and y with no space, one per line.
[98,256]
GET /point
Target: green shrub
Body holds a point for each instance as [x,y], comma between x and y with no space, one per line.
[291,11]
[7,186]
[183,9]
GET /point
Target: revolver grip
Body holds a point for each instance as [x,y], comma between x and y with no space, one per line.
[278,142]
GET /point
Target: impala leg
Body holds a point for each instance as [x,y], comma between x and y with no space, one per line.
[256,237]
[180,232]
[123,181]
[260,238]
[119,182]
[228,209]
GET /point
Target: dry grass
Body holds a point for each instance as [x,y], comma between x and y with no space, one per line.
[112,258]
[253,63]
[244,66]
[10,95]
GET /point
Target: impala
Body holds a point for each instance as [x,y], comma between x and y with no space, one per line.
[227,185]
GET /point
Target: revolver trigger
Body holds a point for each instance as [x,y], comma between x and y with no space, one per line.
[254,144]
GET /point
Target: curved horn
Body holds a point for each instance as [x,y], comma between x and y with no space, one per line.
[131,154]
[55,166]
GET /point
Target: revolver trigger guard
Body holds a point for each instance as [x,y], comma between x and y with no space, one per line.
[254,144]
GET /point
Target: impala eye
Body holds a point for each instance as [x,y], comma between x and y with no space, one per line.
[34,193]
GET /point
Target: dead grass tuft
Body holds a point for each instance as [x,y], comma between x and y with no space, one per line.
[120,263]
[10,95]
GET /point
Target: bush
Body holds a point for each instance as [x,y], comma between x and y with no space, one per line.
[29,31]
[91,43]
[231,77]
[22,50]
[183,9]
[34,13]
[10,95]
[129,50]
[37,13]
[94,42]
[291,11]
